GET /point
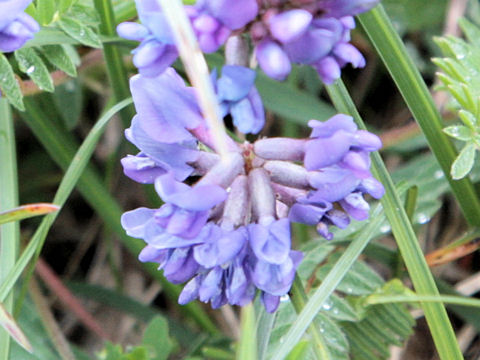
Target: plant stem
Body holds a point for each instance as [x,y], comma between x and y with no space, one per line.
[9,233]
[197,70]
[247,346]
[113,60]
[299,299]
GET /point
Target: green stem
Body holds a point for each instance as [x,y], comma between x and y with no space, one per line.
[415,93]
[113,59]
[410,205]
[9,233]
[417,267]
[447,299]
[299,299]
[197,70]
[247,346]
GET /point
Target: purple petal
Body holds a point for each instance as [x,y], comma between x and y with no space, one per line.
[327,128]
[211,285]
[323,152]
[134,221]
[166,107]
[235,82]
[273,60]
[141,168]
[356,206]
[328,69]
[289,25]
[233,14]
[270,302]
[132,31]
[271,244]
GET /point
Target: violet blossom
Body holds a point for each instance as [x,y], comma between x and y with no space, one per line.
[16,27]
[226,234]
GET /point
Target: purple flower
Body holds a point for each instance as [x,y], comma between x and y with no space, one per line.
[16,27]
[180,221]
[156,158]
[220,246]
[166,108]
[331,140]
[232,14]
[320,40]
[276,279]
[238,96]
[157,50]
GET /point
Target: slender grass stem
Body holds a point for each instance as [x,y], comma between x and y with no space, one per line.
[299,299]
[9,232]
[197,70]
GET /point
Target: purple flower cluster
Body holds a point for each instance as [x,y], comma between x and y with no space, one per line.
[329,189]
[228,235]
[311,32]
[315,33]
[16,27]
[213,22]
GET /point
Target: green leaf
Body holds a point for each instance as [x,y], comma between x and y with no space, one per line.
[471,31]
[468,119]
[360,280]
[45,11]
[291,103]
[459,132]
[68,98]
[156,339]
[80,32]
[27,211]
[464,162]
[9,84]
[58,56]
[32,65]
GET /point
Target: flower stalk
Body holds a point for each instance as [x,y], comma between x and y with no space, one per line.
[197,71]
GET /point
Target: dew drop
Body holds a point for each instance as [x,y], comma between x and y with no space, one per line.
[327,306]
[81,33]
[335,311]
[422,218]
[284,298]
[460,56]
[349,290]
[385,228]
[31,69]
[438,174]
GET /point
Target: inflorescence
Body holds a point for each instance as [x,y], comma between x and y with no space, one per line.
[224,228]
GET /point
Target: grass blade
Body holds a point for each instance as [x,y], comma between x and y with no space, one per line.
[9,233]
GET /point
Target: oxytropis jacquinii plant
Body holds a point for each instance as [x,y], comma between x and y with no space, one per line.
[224,228]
